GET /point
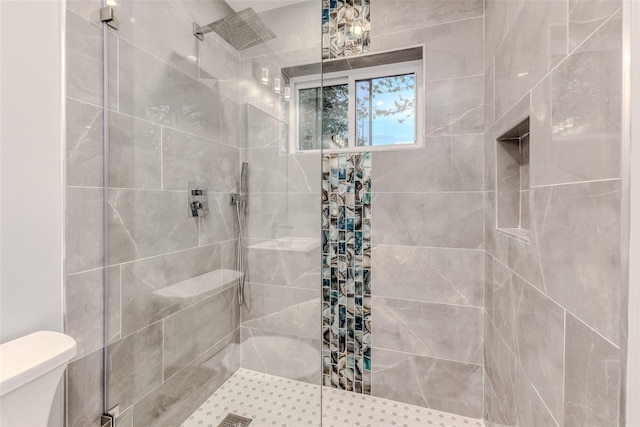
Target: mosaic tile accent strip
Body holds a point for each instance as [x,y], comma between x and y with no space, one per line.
[346,28]
[276,401]
[346,271]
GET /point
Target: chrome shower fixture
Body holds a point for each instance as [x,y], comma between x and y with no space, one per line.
[241,30]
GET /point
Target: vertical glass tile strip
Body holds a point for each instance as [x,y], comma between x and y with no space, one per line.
[346,271]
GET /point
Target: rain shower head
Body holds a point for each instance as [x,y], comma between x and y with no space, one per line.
[241,30]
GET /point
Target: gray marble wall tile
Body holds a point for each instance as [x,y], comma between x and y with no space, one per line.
[148,223]
[267,169]
[451,50]
[84,59]
[399,15]
[219,66]
[454,106]
[585,16]
[489,95]
[436,330]
[501,368]
[288,214]
[204,11]
[303,171]
[264,300]
[84,397]
[291,34]
[578,110]
[489,279]
[220,224]
[282,268]
[179,396]
[135,366]
[154,91]
[230,122]
[187,158]
[84,294]
[453,220]
[578,230]
[495,28]
[193,330]
[535,43]
[424,381]
[143,281]
[296,313]
[258,129]
[592,377]
[134,153]
[84,231]
[531,410]
[84,144]
[140,24]
[452,276]
[283,355]
[446,163]
[88,9]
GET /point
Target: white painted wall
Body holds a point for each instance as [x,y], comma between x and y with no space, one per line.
[31,167]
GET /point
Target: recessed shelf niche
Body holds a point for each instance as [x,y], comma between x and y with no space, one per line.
[512,163]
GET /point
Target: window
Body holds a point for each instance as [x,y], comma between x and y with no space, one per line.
[376,107]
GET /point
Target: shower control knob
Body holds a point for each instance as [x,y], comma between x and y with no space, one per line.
[198,204]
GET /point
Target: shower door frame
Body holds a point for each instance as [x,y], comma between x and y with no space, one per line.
[630,298]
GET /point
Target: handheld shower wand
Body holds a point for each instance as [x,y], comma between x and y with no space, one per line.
[239,199]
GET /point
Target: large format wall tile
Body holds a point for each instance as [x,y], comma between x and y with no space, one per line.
[84,298]
[282,268]
[533,326]
[592,377]
[451,50]
[577,113]
[399,15]
[84,144]
[219,67]
[144,280]
[283,355]
[453,220]
[501,369]
[193,330]
[84,230]
[454,106]
[187,158]
[452,276]
[536,42]
[85,391]
[135,366]
[139,23]
[578,237]
[84,59]
[297,313]
[154,91]
[220,224]
[148,223]
[134,153]
[585,16]
[180,395]
[446,163]
[433,383]
[435,330]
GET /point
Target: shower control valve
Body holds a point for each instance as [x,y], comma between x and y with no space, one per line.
[198,204]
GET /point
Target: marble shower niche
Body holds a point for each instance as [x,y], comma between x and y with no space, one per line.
[513,183]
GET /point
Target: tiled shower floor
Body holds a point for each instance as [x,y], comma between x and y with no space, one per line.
[277,401]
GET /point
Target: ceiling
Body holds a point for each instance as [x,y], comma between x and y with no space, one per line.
[260,5]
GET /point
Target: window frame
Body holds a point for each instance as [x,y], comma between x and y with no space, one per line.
[350,77]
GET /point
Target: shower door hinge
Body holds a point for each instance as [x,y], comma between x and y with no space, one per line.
[109,419]
[108,16]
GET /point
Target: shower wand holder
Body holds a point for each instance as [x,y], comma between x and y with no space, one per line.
[234,198]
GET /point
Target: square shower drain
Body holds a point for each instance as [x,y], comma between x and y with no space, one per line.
[233,420]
